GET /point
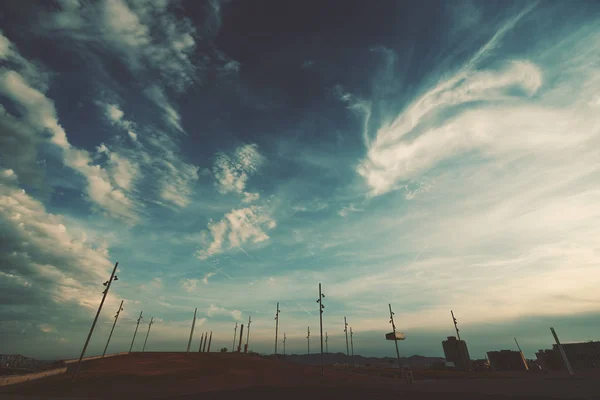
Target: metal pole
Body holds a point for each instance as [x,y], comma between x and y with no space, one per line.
[321,307]
[113,327]
[234,335]
[241,336]
[346,331]
[204,345]
[136,329]
[201,340]
[209,340]
[522,355]
[562,353]
[87,341]
[395,338]
[192,331]
[308,339]
[248,333]
[351,341]
[462,355]
[276,327]
[148,333]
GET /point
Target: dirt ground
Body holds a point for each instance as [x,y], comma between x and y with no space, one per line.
[236,376]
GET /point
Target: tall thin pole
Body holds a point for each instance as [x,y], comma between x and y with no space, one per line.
[192,331]
[241,336]
[308,339]
[209,340]
[113,327]
[136,329]
[394,330]
[201,340]
[562,352]
[87,341]
[148,333]
[276,327]
[284,338]
[321,307]
[204,345]
[248,333]
[351,342]
[522,355]
[462,355]
[234,335]
[346,332]
[455,325]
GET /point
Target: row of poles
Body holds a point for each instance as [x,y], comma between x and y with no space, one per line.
[205,337]
[239,349]
[349,345]
[107,284]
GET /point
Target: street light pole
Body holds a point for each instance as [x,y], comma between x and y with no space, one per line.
[87,341]
[113,327]
[148,333]
[276,327]
[136,329]
[395,338]
[321,307]
[346,332]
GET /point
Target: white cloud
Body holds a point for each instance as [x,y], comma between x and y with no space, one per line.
[46,328]
[189,285]
[39,112]
[240,226]
[232,173]
[42,260]
[157,95]
[345,211]
[207,277]
[214,310]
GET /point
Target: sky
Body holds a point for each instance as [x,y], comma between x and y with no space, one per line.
[230,155]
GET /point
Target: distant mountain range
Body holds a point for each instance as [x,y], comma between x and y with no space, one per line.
[17,364]
[415,361]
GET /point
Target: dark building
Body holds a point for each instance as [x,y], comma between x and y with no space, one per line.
[480,365]
[456,351]
[506,360]
[584,355]
[549,360]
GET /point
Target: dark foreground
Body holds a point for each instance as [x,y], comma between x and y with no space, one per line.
[234,376]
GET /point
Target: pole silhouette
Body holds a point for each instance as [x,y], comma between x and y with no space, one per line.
[241,336]
[522,355]
[321,307]
[346,332]
[234,335]
[308,339]
[248,333]
[204,345]
[460,352]
[276,327]
[113,327]
[209,340]
[394,330]
[148,333]
[87,341]
[284,344]
[201,340]
[136,329]
[192,332]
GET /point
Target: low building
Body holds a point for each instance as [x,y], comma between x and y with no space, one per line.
[549,360]
[456,352]
[481,365]
[506,360]
[583,355]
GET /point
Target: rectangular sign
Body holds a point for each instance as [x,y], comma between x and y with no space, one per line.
[399,336]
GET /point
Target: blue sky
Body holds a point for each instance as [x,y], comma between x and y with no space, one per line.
[231,155]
